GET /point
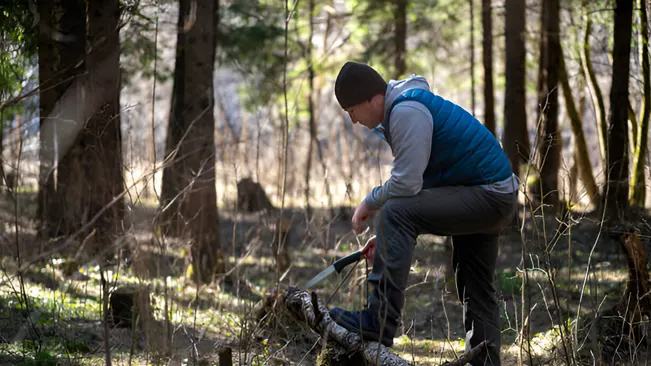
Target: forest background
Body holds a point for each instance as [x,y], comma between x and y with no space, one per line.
[189,156]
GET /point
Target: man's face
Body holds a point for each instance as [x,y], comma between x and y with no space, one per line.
[368,114]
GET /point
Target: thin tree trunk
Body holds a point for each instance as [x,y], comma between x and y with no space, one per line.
[346,161]
[632,136]
[549,148]
[595,89]
[315,84]
[151,146]
[487,56]
[574,170]
[638,186]
[17,137]
[617,147]
[244,143]
[400,18]
[189,199]
[312,123]
[582,154]
[516,138]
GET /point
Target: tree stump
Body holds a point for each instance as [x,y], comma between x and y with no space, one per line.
[340,346]
[130,307]
[622,327]
[251,197]
[11,181]
[124,306]
[635,305]
[225,356]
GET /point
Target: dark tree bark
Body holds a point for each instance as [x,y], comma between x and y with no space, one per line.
[516,138]
[616,197]
[80,123]
[61,49]
[189,199]
[550,146]
[487,58]
[400,19]
[100,143]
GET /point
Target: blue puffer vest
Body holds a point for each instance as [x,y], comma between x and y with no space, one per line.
[464,152]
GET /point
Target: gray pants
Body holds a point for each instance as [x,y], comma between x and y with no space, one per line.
[473,217]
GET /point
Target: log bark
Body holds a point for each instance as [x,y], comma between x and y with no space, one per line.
[306,307]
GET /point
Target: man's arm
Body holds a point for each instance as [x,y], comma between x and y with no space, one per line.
[411,131]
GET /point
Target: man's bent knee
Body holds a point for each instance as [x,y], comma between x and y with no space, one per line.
[395,213]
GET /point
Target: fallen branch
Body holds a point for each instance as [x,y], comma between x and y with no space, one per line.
[307,308]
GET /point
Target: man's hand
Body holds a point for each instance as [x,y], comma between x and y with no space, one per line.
[368,252]
[362,213]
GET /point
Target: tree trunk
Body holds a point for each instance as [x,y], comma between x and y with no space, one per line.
[400,18]
[632,131]
[595,90]
[189,199]
[582,154]
[487,56]
[516,138]
[574,170]
[617,147]
[243,147]
[101,141]
[638,187]
[81,171]
[60,64]
[312,123]
[549,147]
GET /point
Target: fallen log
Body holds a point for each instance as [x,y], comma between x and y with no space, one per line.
[347,347]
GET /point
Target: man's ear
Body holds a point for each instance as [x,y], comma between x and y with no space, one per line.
[378,100]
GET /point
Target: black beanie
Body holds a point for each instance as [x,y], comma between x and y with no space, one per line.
[357,83]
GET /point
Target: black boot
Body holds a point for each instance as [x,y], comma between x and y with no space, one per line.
[377,323]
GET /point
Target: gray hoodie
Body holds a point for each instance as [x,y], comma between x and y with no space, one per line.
[411,142]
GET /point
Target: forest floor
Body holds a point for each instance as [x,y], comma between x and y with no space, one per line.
[48,317]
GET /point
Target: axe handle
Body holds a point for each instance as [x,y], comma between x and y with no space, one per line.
[339,264]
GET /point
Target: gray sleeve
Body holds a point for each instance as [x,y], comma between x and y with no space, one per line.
[411,140]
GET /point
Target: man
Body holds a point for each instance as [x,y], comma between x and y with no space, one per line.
[450,177]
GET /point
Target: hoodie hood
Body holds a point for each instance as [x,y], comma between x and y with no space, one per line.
[397,87]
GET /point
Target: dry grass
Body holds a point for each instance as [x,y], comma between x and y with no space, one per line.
[58,316]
